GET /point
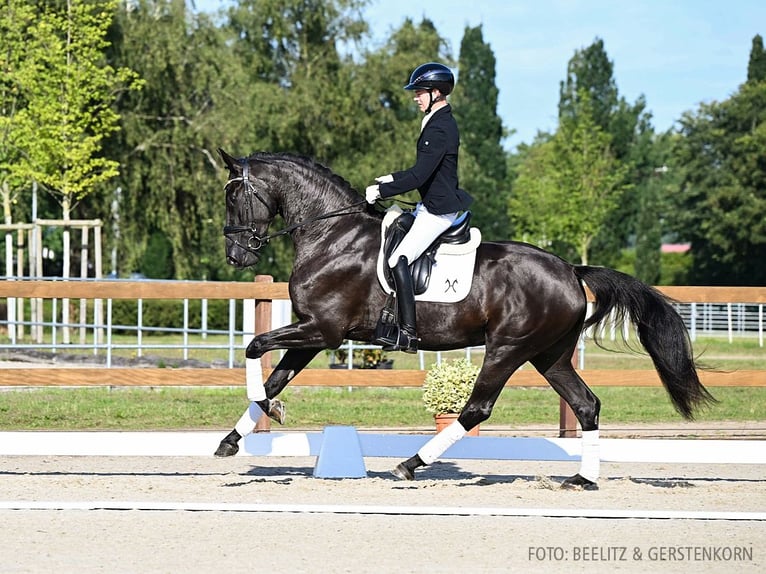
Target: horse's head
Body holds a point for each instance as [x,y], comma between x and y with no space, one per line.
[249,210]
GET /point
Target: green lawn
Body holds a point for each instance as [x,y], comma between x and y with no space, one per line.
[310,407]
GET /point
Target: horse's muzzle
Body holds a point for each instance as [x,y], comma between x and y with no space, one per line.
[240,258]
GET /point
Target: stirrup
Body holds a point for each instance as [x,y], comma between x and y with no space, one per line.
[386,334]
[405,340]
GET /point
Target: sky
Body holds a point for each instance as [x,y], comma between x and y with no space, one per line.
[676,53]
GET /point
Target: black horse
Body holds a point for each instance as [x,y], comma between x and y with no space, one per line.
[525,304]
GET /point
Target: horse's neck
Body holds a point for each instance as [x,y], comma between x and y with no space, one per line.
[306,197]
[348,232]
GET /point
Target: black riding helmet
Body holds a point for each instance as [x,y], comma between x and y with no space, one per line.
[432,75]
[429,76]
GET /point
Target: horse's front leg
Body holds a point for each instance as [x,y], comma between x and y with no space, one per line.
[302,344]
[262,400]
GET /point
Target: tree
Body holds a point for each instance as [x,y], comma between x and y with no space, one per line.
[293,48]
[722,197]
[195,99]
[591,73]
[569,186]
[68,90]
[483,161]
[16,16]
[756,67]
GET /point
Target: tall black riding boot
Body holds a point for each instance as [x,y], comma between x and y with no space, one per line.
[406,338]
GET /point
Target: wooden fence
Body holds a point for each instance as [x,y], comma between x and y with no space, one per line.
[264,292]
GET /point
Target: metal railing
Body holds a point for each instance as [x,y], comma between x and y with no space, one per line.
[96,331]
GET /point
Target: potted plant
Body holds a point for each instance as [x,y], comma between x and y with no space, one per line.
[446,389]
[362,359]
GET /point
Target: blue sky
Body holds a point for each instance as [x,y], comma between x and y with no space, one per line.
[677,53]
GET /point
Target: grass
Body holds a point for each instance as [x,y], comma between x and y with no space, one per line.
[205,408]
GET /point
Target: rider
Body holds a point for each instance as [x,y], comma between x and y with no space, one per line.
[434,175]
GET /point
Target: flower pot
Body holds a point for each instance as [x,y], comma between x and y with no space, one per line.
[445,419]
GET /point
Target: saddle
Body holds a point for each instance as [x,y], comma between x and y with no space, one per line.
[457,234]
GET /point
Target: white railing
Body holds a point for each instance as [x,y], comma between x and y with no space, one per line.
[734,319]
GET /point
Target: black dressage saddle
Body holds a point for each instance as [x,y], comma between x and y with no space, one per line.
[457,234]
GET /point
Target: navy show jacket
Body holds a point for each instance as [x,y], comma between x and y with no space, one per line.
[434,174]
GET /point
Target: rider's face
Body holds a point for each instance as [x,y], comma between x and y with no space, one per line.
[421,97]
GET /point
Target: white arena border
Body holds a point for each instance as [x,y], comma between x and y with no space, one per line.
[166,444]
[204,443]
[385,510]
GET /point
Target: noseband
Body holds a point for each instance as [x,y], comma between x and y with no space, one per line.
[256,242]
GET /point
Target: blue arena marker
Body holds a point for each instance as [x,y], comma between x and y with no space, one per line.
[340,455]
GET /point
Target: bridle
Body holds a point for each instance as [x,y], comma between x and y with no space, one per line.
[256,242]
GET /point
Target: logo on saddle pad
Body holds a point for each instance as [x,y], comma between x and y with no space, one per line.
[443,274]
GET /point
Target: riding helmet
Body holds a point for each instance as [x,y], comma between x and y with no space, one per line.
[432,75]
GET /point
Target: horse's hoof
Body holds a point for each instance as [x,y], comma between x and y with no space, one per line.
[578,482]
[227,449]
[402,472]
[277,411]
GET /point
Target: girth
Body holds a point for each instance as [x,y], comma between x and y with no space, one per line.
[458,233]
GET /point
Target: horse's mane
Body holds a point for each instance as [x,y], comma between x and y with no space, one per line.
[307,163]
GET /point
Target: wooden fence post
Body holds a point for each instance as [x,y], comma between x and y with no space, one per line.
[263,325]
[567,418]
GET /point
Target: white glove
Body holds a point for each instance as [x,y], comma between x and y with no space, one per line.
[385,178]
[372,193]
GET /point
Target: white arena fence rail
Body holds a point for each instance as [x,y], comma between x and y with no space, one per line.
[736,311]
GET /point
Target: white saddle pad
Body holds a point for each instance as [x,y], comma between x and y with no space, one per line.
[452,273]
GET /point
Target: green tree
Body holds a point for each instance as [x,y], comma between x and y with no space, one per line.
[157,258]
[722,197]
[195,99]
[756,67]
[568,187]
[308,107]
[483,161]
[16,16]
[534,207]
[69,90]
[591,73]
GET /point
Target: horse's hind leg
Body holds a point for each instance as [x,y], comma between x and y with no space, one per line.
[262,395]
[489,383]
[586,406]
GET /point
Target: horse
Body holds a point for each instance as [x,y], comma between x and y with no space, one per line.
[525,304]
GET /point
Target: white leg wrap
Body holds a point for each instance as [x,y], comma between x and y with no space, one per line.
[247,421]
[435,447]
[254,378]
[590,461]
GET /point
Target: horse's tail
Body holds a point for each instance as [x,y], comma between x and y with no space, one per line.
[661,331]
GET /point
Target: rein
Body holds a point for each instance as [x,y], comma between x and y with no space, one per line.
[255,241]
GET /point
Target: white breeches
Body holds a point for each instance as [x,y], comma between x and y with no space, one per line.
[425,229]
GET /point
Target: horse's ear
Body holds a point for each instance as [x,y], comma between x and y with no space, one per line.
[230,162]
